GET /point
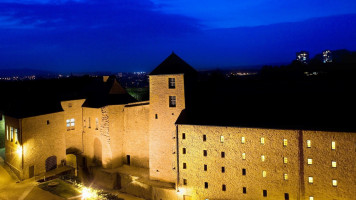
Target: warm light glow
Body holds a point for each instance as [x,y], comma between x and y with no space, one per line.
[262,140]
[285,160]
[263,158]
[333,145]
[308,143]
[311,198]
[221,139]
[310,179]
[285,142]
[335,183]
[310,161]
[333,163]
[88,193]
[19,151]
[264,173]
[181,191]
[243,140]
[243,156]
[285,176]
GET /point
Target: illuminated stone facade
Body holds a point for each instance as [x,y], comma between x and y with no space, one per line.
[203,161]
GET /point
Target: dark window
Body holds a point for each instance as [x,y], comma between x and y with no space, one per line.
[223,154]
[184,181]
[128,159]
[206,185]
[205,153]
[171,83]
[223,187]
[243,171]
[205,167]
[204,138]
[286,196]
[156,116]
[47,122]
[223,169]
[183,136]
[265,193]
[244,190]
[184,165]
[172,101]
[184,151]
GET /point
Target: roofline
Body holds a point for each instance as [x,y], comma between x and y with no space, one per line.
[32,115]
[165,74]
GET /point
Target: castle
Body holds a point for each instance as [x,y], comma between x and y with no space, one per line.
[187,152]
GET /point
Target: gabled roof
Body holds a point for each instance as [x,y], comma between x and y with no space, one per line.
[173,64]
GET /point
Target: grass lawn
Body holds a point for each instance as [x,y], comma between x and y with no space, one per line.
[63,189]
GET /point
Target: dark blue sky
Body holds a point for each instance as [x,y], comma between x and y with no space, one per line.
[136,35]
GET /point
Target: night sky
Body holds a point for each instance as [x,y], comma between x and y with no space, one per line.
[136,35]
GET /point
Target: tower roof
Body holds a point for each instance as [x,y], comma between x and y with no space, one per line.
[173,64]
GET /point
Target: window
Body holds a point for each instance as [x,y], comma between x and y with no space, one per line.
[286,196]
[184,165]
[264,193]
[243,140]
[96,123]
[244,190]
[223,169]
[333,145]
[206,185]
[205,153]
[184,151]
[172,101]
[243,172]
[171,83]
[334,182]
[262,140]
[89,124]
[204,138]
[333,164]
[47,122]
[310,161]
[223,187]
[285,142]
[7,132]
[69,105]
[16,136]
[285,160]
[184,181]
[223,154]
[285,176]
[311,198]
[243,156]
[221,139]
[205,167]
[264,174]
[308,144]
[183,136]
[70,123]
[263,158]
[156,116]
[11,133]
[310,179]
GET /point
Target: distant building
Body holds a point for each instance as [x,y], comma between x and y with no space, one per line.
[303,57]
[327,56]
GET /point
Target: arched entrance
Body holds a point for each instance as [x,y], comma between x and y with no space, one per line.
[97,152]
[51,163]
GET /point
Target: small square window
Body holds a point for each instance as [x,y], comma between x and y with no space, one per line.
[334,183]
[204,138]
[262,140]
[184,150]
[223,154]
[184,181]
[308,144]
[310,161]
[285,160]
[243,172]
[285,142]
[184,165]
[263,158]
[183,136]
[243,140]
[264,174]
[285,176]
[223,169]
[244,190]
[172,101]
[264,193]
[333,164]
[243,156]
[205,167]
[206,185]
[311,198]
[221,139]
[223,187]
[205,152]
[171,83]
[333,145]
[310,179]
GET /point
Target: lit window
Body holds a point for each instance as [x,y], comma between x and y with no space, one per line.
[96,123]
[285,142]
[262,140]
[16,136]
[310,179]
[243,140]
[263,158]
[221,139]
[285,176]
[311,198]
[308,143]
[7,132]
[310,161]
[264,174]
[333,145]
[11,133]
[333,163]
[172,101]
[70,123]
[243,156]
[285,160]
[334,182]
[171,83]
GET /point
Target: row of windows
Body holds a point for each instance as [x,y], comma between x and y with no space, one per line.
[12,135]
[311,181]
[89,123]
[262,141]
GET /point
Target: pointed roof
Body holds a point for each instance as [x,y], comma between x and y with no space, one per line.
[173,64]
